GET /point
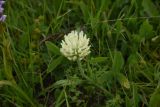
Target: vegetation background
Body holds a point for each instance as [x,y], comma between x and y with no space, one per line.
[123,69]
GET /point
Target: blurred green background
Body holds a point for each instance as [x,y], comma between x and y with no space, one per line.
[123,69]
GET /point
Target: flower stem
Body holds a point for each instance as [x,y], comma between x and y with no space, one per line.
[91,81]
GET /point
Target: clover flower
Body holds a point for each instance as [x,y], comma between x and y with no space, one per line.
[75,45]
[2,17]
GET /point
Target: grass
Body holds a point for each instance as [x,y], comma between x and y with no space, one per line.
[123,69]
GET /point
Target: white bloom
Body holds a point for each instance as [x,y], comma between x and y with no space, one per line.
[75,45]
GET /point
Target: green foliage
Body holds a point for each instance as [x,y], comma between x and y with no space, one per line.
[54,63]
[22,94]
[155,98]
[146,30]
[123,69]
[123,80]
[150,8]
[98,59]
[52,49]
[118,62]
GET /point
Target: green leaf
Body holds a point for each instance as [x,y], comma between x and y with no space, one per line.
[106,77]
[119,26]
[128,102]
[135,96]
[146,30]
[60,99]
[123,80]
[85,10]
[98,59]
[133,59]
[118,62]
[65,82]
[18,90]
[52,48]
[155,98]
[150,8]
[54,63]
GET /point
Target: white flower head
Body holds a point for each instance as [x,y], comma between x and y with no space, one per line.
[75,45]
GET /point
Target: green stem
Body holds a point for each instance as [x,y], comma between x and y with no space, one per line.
[91,81]
[6,57]
[7,68]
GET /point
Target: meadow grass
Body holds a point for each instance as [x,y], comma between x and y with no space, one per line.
[123,69]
